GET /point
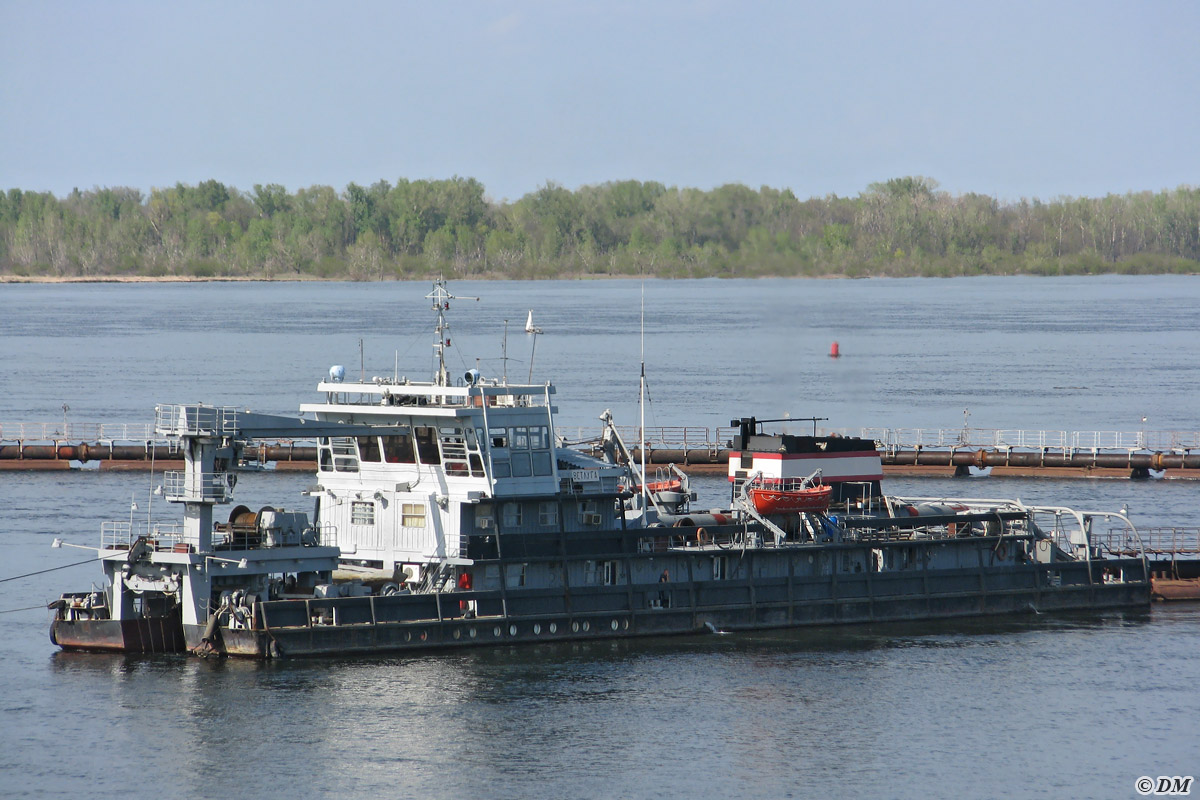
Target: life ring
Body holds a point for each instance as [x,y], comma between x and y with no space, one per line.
[1001,550]
[703,537]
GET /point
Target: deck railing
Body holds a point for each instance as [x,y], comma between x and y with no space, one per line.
[206,487]
[121,534]
[76,432]
[1158,542]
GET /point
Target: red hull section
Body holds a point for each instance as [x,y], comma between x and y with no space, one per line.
[784,501]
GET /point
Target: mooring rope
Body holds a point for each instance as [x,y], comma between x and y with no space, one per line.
[52,569]
[27,608]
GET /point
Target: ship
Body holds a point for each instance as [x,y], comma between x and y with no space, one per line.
[448,513]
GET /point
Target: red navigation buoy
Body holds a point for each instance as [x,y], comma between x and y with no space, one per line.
[834,352]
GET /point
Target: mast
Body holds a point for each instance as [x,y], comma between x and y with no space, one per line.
[441,304]
[642,406]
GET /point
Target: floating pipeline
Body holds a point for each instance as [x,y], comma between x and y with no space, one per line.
[291,456]
[19,456]
[965,459]
[1139,464]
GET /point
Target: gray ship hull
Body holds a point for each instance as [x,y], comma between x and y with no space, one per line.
[803,595]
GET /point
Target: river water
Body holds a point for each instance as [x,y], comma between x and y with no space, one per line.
[1038,707]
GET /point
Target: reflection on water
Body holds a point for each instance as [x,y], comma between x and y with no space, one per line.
[882,709]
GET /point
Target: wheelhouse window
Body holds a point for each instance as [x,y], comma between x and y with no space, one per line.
[499,437]
[368,448]
[521,451]
[398,448]
[522,467]
[501,467]
[427,445]
[520,438]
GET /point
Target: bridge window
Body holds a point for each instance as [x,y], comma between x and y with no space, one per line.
[521,466]
[398,449]
[368,448]
[427,446]
[498,436]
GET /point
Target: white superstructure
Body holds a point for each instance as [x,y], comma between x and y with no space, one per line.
[460,457]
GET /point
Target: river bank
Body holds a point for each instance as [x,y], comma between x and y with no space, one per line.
[588,277]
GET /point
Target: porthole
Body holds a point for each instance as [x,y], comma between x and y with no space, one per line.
[575,627]
[408,636]
[553,628]
[512,630]
[457,634]
[587,626]
[496,631]
[625,624]
[537,629]
[472,633]
[424,636]
[614,624]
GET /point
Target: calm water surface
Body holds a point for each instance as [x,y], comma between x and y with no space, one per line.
[1043,706]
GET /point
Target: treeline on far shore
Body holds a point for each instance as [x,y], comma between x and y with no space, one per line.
[412,229]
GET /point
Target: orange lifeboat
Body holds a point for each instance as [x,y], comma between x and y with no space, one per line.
[776,497]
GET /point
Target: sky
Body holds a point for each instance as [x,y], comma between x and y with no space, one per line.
[1015,100]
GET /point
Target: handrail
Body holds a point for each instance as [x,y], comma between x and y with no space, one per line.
[121,534]
[1157,541]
